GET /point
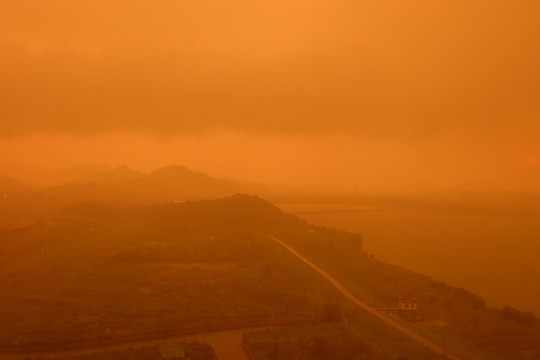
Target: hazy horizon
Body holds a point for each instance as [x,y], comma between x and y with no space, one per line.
[326,163]
[335,95]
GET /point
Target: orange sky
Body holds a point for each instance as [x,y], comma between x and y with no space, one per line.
[346,94]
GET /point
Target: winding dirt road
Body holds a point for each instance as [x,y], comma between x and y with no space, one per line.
[422,340]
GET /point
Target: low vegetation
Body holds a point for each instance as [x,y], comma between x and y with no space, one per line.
[446,314]
[326,341]
[95,274]
[173,350]
[110,274]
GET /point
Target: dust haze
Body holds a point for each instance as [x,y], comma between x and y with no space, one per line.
[269,180]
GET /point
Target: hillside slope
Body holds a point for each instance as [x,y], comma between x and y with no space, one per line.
[95,273]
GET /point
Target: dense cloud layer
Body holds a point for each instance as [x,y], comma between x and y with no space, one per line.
[380,68]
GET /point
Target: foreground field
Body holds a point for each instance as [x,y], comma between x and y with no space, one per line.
[326,341]
[105,286]
[226,345]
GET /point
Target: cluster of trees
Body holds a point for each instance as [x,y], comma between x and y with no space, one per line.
[509,313]
[318,342]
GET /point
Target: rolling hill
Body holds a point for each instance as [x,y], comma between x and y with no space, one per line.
[11,187]
[168,184]
[120,174]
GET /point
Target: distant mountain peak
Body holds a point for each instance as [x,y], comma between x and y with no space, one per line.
[175,173]
[172,183]
[173,169]
[12,186]
[121,173]
[122,167]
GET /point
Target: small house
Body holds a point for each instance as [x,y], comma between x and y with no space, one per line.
[407,309]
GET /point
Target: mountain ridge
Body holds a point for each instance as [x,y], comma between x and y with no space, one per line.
[10,187]
[119,174]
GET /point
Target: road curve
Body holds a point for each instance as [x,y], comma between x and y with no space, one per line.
[420,339]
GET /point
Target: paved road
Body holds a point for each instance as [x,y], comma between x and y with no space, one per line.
[227,345]
[422,340]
